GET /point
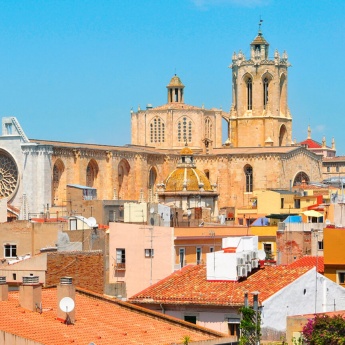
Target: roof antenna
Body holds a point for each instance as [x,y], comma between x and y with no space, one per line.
[260,22]
[175,71]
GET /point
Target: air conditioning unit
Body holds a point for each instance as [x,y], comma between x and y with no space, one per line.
[240,261]
[249,267]
[241,271]
[255,255]
[255,263]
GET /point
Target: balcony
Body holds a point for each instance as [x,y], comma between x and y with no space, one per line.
[120,266]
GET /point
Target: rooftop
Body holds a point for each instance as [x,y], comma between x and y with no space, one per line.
[98,319]
[190,286]
[310,261]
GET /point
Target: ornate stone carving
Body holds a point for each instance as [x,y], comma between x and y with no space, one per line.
[8,175]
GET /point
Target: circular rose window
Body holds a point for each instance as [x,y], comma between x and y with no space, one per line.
[8,175]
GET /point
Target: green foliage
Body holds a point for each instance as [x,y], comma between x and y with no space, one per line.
[186,340]
[249,327]
[325,330]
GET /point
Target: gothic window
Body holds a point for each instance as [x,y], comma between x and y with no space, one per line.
[91,173]
[248,171]
[249,94]
[208,128]
[157,131]
[266,82]
[300,178]
[184,130]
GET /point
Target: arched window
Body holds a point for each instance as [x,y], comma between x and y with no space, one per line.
[152,177]
[249,94]
[208,128]
[91,173]
[157,131]
[123,176]
[266,82]
[248,171]
[59,183]
[282,135]
[184,130]
[300,178]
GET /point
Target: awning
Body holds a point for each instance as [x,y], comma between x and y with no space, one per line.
[313,213]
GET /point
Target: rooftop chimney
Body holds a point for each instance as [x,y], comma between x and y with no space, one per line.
[30,293]
[3,289]
[66,300]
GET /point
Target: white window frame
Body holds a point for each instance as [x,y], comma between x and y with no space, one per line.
[13,247]
[338,272]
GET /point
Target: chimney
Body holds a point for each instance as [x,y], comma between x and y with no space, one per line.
[3,289]
[66,300]
[30,293]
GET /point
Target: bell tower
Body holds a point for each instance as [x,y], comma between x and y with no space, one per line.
[175,90]
[259,115]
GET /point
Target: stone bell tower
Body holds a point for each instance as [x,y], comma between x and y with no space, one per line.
[259,114]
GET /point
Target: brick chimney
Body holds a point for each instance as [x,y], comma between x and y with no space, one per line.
[30,293]
[3,289]
[66,300]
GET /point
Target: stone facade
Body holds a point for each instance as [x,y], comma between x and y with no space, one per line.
[257,154]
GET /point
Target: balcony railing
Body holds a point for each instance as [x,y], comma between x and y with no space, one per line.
[120,266]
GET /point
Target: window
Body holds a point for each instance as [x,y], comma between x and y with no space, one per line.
[341,277]
[266,82]
[281,202]
[248,170]
[10,250]
[8,128]
[73,224]
[337,168]
[182,254]
[149,253]
[120,258]
[249,94]
[157,131]
[14,276]
[211,249]
[208,128]
[190,318]
[297,203]
[328,169]
[112,216]
[268,251]
[320,245]
[184,130]
[198,255]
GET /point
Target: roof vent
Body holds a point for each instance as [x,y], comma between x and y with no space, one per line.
[2,280]
[30,280]
[66,281]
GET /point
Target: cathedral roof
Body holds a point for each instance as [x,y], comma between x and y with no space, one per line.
[188,180]
[175,81]
[186,151]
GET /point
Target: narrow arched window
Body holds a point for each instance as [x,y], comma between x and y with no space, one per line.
[208,128]
[249,94]
[266,82]
[248,171]
[157,131]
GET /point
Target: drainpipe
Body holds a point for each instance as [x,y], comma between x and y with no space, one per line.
[161,305]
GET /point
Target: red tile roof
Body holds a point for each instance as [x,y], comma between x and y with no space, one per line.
[190,286]
[311,144]
[309,261]
[99,320]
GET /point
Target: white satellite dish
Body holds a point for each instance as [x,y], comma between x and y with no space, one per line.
[328,222]
[261,254]
[152,210]
[67,304]
[189,212]
[92,221]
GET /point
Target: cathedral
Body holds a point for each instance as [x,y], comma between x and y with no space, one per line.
[258,152]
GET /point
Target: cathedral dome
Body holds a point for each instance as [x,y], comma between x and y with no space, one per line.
[186,151]
[187,179]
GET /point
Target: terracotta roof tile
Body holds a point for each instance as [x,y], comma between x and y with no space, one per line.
[190,286]
[309,261]
[310,143]
[99,320]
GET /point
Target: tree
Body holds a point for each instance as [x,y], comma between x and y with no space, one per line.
[250,327]
[325,330]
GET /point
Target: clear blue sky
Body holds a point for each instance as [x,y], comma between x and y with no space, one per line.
[72,70]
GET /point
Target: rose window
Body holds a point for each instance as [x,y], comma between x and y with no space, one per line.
[8,175]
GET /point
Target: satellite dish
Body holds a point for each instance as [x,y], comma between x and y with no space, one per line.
[67,304]
[328,222]
[189,212]
[261,254]
[152,210]
[91,221]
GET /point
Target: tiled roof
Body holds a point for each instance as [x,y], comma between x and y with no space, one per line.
[99,320]
[309,261]
[311,144]
[190,286]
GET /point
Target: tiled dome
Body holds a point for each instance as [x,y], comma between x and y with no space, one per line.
[175,81]
[187,179]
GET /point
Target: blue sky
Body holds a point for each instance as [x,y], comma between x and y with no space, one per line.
[72,70]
